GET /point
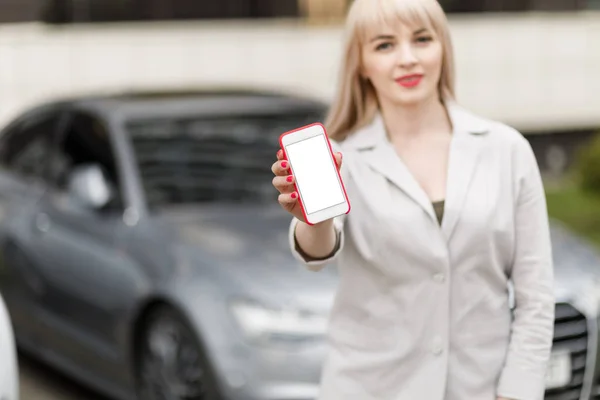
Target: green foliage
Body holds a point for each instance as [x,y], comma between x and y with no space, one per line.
[578,210]
[587,167]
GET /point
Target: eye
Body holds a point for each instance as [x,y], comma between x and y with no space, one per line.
[384,46]
[424,39]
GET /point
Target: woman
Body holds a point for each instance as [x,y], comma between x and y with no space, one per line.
[447,209]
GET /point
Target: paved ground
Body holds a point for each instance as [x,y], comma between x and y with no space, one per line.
[39,382]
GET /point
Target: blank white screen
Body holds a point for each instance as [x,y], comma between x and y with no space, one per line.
[315,173]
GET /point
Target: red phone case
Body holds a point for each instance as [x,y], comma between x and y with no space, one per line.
[332,156]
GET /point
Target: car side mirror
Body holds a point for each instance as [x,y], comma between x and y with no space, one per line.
[89,186]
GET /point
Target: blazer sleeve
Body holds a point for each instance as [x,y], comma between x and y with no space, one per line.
[338,223]
[523,375]
[312,263]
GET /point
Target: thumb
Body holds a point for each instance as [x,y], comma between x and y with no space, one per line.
[338,160]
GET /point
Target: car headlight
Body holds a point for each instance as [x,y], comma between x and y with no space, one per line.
[263,324]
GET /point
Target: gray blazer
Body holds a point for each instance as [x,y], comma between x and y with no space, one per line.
[422,310]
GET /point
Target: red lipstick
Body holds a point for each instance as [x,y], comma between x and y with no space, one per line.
[410,81]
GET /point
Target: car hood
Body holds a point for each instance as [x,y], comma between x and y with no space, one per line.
[247,248]
[249,245]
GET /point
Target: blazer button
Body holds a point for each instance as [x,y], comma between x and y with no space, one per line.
[439,278]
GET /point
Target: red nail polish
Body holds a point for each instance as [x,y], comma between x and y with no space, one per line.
[294,195]
[289,178]
[284,165]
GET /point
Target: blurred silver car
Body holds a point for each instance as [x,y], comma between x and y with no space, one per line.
[143,253]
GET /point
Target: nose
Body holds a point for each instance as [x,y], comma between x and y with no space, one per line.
[406,56]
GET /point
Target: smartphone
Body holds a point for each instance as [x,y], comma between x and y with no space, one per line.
[322,194]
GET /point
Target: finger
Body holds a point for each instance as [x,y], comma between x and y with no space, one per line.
[338,160]
[288,200]
[280,155]
[281,168]
[284,184]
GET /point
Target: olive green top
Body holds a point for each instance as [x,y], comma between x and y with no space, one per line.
[438,207]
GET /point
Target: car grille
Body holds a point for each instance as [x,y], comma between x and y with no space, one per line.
[596,392]
[570,332]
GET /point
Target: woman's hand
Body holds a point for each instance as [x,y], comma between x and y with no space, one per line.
[284,183]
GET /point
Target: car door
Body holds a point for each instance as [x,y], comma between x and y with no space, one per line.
[90,282]
[25,146]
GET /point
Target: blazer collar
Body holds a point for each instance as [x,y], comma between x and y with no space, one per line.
[469,131]
[374,133]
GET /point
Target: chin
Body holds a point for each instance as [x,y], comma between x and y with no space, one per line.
[410,101]
[413,98]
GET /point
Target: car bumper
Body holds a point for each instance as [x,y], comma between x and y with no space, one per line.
[272,373]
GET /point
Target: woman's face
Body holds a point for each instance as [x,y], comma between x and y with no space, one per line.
[403,63]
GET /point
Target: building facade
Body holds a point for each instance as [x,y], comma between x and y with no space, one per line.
[68,11]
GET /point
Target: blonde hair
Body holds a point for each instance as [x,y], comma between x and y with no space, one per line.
[356,103]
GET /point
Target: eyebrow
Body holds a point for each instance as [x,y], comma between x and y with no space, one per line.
[382,37]
[389,37]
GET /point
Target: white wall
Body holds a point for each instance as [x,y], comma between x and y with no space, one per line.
[535,71]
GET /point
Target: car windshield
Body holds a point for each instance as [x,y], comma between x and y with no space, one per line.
[198,159]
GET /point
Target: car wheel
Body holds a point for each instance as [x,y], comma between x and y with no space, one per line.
[171,364]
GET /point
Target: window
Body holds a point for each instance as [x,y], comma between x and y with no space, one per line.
[199,160]
[19,10]
[593,4]
[86,141]
[26,146]
[464,6]
[67,11]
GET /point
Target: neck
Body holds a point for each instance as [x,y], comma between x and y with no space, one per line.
[423,119]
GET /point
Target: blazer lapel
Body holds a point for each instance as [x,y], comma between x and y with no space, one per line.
[469,132]
[377,151]
[386,161]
